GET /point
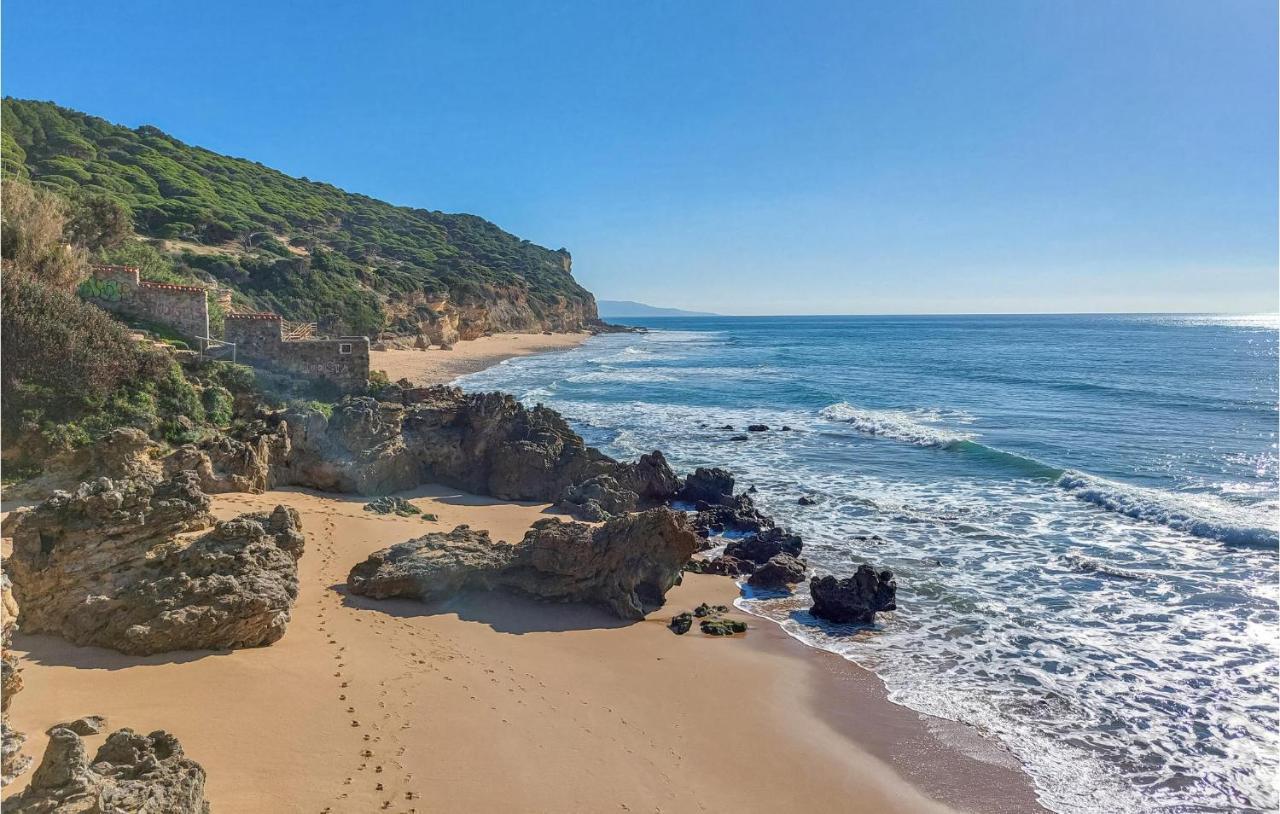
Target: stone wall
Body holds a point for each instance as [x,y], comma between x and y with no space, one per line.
[343,361]
[184,308]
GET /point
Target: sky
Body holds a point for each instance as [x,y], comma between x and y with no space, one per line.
[858,156]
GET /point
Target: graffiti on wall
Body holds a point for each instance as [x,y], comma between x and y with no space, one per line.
[104,290]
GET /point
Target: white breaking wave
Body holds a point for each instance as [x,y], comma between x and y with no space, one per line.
[1198,515]
[899,425]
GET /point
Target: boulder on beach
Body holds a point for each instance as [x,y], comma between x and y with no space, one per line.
[148,774]
[856,599]
[625,565]
[105,566]
[778,574]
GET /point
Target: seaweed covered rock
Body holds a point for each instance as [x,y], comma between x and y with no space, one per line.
[392,505]
[626,565]
[105,566]
[147,774]
[856,599]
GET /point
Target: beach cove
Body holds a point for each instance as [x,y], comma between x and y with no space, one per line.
[457,705]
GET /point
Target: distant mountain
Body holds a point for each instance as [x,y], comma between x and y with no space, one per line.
[626,308]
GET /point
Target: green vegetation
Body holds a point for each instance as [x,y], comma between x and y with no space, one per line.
[71,372]
[290,245]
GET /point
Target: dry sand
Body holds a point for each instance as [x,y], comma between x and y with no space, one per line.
[491,703]
[435,366]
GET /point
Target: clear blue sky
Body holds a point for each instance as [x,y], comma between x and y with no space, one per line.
[860,156]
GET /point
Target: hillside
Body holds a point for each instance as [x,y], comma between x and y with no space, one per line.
[619,309]
[298,247]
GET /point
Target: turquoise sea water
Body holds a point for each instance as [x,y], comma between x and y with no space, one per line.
[1081,512]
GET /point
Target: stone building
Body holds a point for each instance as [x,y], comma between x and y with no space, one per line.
[259,339]
[184,308]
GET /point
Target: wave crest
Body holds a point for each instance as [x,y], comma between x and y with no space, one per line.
[898,425]
[1197,515]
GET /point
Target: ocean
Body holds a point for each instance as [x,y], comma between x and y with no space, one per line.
[1081,512]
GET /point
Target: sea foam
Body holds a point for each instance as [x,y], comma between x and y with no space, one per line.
[1198,515]
[898,425]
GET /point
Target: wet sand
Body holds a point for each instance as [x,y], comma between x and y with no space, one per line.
[495,703]
[435,366]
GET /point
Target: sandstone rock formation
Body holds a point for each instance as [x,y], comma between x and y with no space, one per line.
[12,761]
[105,566]
[626,565]
[854,599]
[226,464]
[486,443]
[122,453]
[146,774]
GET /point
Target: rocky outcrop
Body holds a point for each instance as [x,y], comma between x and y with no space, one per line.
[778,574]
[764,545]
[629,486]
[713,486]
[125,453]
[856,599]
[226,464]
[105,566]
[626,565]
[147,774]
[485,443]
[12,761]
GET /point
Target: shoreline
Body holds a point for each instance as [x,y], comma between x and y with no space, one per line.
[436,366]
[579,711]
[576,709]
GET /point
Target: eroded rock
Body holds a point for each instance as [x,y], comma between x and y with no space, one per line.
[626,565]
[146,774]
[12,761]
[105,566]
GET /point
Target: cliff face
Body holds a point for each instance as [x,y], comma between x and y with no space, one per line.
[303,249]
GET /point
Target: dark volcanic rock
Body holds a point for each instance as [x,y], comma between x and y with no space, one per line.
[779,573]
[627,565]
[708,485]
[764,545]
[681,623]
[147,774]
[723,566]
[757,428]
[104,566]
[854,599]
[805,500]
[738,438]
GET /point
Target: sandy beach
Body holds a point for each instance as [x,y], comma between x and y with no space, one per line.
[495,703]
[435,366]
